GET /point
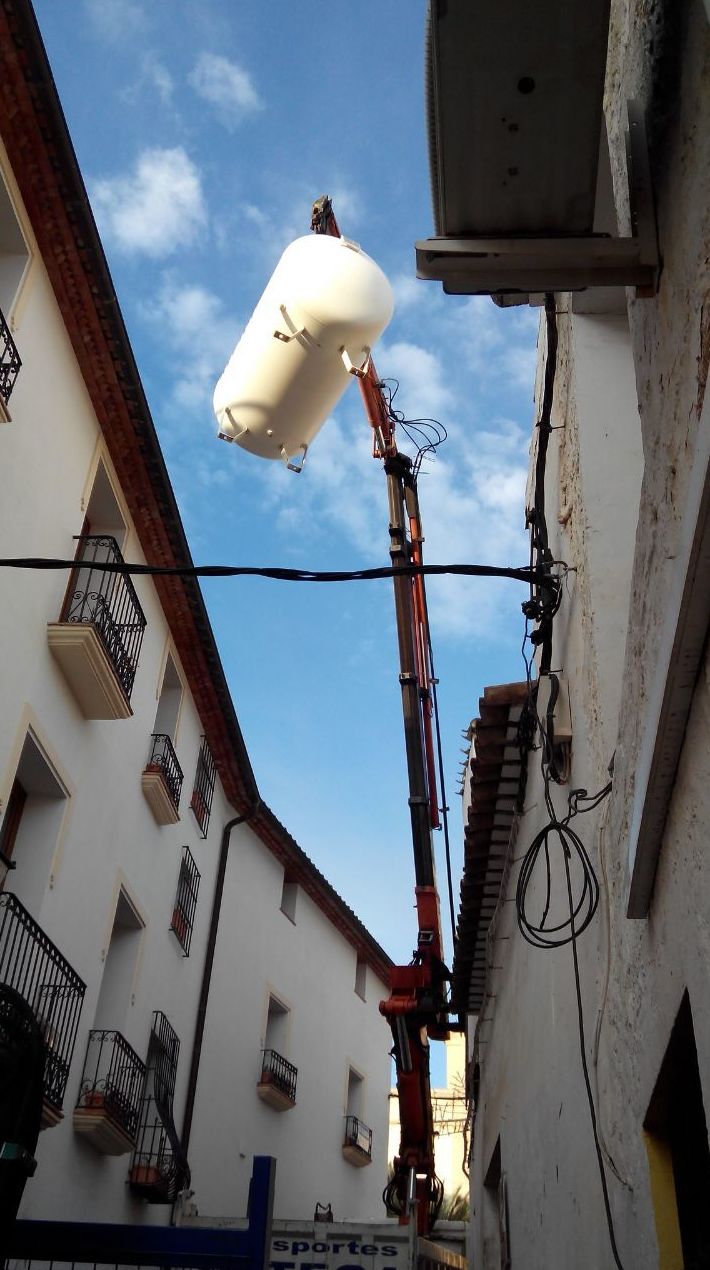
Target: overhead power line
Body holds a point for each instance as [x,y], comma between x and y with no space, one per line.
[526,574]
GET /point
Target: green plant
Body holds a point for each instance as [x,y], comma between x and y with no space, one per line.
[455,1207]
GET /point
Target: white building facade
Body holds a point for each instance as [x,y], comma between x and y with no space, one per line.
[626,496]
[204,994]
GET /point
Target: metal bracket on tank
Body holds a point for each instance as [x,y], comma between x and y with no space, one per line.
[359,371]
[286,337]
[238,429]
[294,467]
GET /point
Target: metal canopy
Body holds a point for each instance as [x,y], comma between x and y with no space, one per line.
[514,102]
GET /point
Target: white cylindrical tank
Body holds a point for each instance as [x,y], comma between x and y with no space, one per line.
[313,328]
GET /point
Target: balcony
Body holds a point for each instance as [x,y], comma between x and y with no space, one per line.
[277,1083]
[32,965]
[98,637]
[161,781]
[9,367]
[357,1143]
[108,1108]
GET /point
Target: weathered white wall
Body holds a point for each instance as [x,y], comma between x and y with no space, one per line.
[329,1029]
[632,410]
[108,837]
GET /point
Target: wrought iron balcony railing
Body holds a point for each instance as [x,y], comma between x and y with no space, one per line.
[107,601]
[159,1167]
[113,1080]
[277,1071]
[358,1135]
[164,759]
[32,965]
[9,361]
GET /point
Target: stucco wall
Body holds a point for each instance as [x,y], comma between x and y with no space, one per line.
[632,411]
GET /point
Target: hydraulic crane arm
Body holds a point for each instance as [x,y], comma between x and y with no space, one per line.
[416,1008]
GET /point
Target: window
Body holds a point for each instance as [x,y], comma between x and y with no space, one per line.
[289,895]
[185,901]
[276,1035]
[356,1087]
[14,257]
[104,516]
[205,776]
[14,253]
[496,1230]
[119,966]
[31,824]
[169,701]
[361,978]
[676,1138]
[10,826]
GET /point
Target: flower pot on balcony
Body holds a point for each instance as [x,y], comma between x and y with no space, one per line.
[93,1099]
[146,1176]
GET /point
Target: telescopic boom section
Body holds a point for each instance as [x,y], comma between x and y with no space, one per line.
[416,1008]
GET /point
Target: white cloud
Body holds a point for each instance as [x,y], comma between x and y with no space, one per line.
[154,76]
[266,229]
[410,292]
[347,206]
[423,390]
[198,336]
[116,20]
[227,87]
[154,209]
[159,76]
[519,362]
[472,502]
[340,486]
[472,511]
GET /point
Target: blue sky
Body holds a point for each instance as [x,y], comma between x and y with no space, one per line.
[204,130]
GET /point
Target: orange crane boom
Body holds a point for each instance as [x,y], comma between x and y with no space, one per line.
[417,1007]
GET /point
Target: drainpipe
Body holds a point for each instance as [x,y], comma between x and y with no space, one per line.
[207,971]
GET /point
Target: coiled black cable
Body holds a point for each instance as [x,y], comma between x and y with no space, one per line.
[557,835]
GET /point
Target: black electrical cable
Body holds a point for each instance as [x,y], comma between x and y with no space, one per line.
[537,932]
[426,434]
[542,935]
[280,575]
[541,608]
[587,1082]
